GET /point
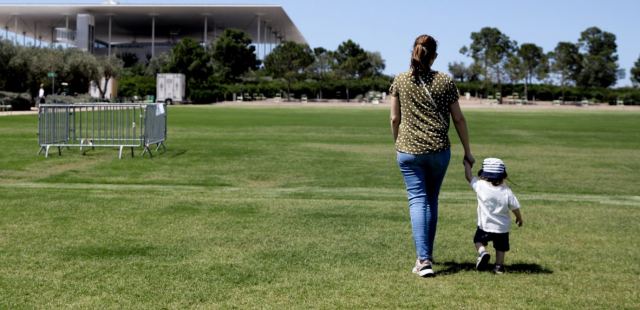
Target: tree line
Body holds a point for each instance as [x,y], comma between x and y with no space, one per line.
[24,69]
[229,65]
[589,63]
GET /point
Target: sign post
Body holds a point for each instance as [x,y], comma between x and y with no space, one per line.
[52,75]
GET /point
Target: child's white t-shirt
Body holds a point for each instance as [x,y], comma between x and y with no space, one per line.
[494,204]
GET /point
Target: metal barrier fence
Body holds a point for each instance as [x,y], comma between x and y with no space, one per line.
[102,125]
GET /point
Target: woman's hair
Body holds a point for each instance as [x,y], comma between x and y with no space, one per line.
[493,181]
[424,50]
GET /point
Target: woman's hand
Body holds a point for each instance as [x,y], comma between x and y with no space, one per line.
[468,158]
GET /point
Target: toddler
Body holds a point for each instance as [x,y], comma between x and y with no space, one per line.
[495,199]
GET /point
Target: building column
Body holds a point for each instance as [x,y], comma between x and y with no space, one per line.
[153,36]
[258,40]
[270,40]
[204,36]
[266,40]
[15,30]
[109,40]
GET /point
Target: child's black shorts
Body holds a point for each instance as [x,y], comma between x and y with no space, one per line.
[500,241]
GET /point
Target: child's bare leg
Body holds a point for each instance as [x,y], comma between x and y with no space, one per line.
[500,257]
[480,247]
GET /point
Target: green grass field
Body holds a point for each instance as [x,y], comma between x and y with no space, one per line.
[305,208]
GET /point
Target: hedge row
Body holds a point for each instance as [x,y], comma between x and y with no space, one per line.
[330,89]
[630,96]
[130,86]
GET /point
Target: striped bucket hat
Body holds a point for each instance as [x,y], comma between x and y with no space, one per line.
[493,168]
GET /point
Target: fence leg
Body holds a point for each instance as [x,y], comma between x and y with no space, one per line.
[59,151]
[161,144]
[146,150]
[120,153]
[131,152]
[46,152]
[41,149]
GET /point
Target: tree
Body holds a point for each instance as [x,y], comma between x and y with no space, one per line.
[189,58]
[108,67]
[233,55]
[7,52]
[635,73]
[600,60]
[29,68]
[490,49]
[289,60]
[128,59]
[458,70]
[80,68]
[157,65]
[515,69]
[534,63]
[323,62]
[461,72]
[352,62]
[566,62]
[375,65]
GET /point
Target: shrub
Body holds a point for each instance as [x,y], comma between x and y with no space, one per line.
[138,85]
[20,104]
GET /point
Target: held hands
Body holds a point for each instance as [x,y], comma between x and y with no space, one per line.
[468,163]
[468,158]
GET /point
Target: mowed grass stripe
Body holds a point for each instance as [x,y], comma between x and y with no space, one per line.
[316,193]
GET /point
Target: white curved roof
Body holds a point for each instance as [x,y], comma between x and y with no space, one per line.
[134,21]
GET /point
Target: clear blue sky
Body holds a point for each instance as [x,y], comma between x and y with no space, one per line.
[390,27]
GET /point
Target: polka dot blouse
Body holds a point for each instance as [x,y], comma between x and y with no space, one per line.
[424,109]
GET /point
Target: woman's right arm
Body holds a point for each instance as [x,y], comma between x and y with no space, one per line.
[395,116]
[463,133]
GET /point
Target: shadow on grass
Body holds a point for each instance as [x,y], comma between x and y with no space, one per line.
[176,153]
[107,252]
[455,267]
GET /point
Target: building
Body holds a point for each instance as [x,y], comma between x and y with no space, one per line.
[145,30]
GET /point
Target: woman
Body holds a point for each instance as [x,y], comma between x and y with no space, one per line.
[422,100]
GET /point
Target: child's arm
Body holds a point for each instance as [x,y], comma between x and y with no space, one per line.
[516,212]
[467,170]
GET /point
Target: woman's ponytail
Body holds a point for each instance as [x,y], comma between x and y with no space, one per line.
[424,51]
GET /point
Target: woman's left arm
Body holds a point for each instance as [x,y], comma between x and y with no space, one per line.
[395,116]
[463,133]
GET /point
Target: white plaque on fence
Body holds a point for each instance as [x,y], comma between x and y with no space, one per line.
[159,109]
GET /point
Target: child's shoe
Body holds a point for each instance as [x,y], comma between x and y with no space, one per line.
[499,269]
[483,261]
[424,269]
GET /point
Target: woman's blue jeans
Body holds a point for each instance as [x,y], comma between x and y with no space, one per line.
[423,175]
